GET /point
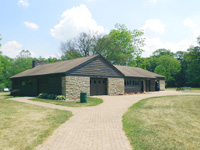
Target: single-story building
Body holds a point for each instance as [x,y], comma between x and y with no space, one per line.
[92,74]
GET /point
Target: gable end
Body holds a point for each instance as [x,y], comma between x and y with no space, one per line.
[96,67]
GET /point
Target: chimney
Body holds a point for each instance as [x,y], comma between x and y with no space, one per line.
[36,63]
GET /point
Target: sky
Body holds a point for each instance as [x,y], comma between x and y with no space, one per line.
[41,25]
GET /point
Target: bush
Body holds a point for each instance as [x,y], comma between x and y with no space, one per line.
[60,97]
[51,96]
[43,95]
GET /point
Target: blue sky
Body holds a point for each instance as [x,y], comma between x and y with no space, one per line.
[40,25]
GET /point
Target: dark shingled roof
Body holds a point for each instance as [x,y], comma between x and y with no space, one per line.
[54,68]
[137,72]
[64,66]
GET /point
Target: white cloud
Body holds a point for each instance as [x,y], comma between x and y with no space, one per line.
[31,25]
[189,23]
[23,3]
[53,55]
[153,1]
[154,25]
[75,20]
[196,33]
[11,49]
[155,43]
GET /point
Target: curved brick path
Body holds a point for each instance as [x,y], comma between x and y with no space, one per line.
[93,128]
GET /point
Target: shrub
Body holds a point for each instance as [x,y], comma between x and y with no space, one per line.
[43,95]
[60,97]
[51,96]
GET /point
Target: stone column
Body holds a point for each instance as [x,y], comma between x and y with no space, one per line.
[75,85]
[162,85]
[144,86]
[63,84]
[115,86]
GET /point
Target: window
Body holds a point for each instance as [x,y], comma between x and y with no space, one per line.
[23,83]
[15,83]
[43,81]
[99,81]
[94,81]
[30,82]
[133,82]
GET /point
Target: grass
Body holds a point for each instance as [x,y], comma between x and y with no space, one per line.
[170,122]
[24,126]
[193,90]
[90,102]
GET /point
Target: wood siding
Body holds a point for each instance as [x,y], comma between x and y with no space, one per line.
[96,68]
[32,86]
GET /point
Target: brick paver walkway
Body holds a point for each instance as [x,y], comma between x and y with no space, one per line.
[93,128]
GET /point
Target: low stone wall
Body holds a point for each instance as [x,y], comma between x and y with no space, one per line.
[115,86]
[74,85]
[162,85]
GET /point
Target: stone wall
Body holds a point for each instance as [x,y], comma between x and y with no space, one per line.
[63,84]
[75,85]
[162,85]
[115,86]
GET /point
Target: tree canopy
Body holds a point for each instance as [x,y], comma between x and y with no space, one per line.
[120,46]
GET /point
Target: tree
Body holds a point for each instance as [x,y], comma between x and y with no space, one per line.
[22,62]
[7,71]
[80,46]
[24,54]
[151,63]
[0,40]
[162,52]
[2,85]
[168,67]
[120,46]
[52,60]
[192,58]
[180,77]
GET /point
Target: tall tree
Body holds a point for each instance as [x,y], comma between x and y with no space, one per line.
[180,77]
[168,67]
[22,62]
[2,85]
[121,45]
[80,46]
[192,58]
[162,52]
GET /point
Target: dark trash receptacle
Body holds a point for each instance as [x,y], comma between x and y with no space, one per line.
[83,97]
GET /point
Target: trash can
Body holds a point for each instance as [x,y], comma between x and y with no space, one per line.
[83,97]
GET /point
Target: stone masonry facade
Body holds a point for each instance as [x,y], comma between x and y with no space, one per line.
[162,85]
[115,86]
[72,86]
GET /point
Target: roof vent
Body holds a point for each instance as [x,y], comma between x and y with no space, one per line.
[36,63]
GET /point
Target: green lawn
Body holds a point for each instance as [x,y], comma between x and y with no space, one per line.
[90,102]
[193,90]
[24,126]
[161,123]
